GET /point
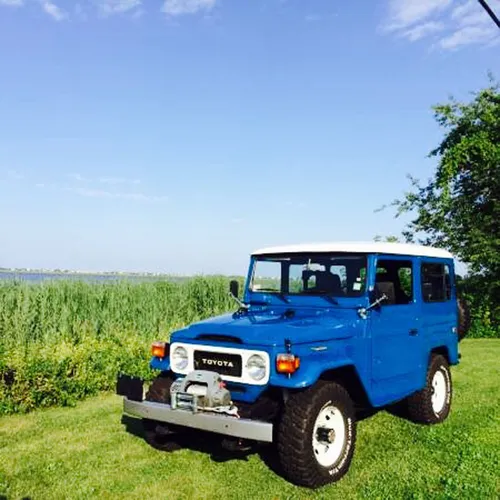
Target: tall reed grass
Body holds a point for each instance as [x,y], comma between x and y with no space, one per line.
[61,341]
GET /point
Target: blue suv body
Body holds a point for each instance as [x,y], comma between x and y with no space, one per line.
[322,332]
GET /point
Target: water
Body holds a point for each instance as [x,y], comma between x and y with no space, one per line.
[38,277]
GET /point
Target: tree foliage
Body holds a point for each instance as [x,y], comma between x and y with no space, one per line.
[459,208]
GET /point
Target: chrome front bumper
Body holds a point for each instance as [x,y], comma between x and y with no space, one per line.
[220,424]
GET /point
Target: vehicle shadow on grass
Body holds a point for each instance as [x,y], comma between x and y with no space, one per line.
[211,444]
[398,410]
[204,442]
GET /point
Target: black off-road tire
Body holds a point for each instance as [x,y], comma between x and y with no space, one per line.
[419,404]
[159,390]
[295,435]
[464,320]
[157,434]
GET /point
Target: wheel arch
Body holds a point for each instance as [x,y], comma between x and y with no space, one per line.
[443,351]
[348,377]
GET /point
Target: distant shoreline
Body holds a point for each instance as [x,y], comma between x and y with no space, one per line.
[109,274]
[58,272]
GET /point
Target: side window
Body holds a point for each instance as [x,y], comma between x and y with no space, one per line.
[404,275]
[394,278]
[436,283]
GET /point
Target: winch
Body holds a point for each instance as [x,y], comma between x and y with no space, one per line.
[202,390]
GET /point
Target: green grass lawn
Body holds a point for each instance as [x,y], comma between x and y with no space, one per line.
[87,452]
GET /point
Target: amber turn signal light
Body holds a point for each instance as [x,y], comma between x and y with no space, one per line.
[159,349]
[287,363]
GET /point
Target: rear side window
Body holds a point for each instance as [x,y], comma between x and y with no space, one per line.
[394,280]
[436,284]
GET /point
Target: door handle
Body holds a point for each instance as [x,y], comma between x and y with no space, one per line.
[413,332]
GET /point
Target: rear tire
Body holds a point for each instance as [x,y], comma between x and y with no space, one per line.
[317,435]
[432,404]
[158,434]
[464,320]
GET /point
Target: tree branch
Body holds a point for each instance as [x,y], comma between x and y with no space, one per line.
[487,8]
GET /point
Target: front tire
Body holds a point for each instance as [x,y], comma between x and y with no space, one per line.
[157,434]
[317,435]
[432,404]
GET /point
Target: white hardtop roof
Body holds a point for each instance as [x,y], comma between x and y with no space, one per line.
[359,247]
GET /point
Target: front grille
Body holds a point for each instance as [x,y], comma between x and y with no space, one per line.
[220,362]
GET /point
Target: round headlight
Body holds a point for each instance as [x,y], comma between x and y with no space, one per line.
[256,367]
[179,358]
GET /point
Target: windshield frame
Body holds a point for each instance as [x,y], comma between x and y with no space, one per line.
[316,297]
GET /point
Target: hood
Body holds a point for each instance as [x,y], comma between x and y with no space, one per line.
[271,327]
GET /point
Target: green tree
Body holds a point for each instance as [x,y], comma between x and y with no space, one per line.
[386,239]
[459,208]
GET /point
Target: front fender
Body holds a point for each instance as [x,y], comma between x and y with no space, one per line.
[162,364]
[313,363]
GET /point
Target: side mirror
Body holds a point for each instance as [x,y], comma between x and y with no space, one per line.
[375,303]
[377,298]
[234,288]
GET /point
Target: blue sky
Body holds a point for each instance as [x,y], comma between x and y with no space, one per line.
[179,136]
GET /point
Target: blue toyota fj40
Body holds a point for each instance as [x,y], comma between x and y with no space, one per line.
[322,331]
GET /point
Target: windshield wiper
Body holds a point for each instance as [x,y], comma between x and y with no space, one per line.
[280,295]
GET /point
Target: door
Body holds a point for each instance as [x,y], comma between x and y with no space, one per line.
[394,330]
[439,310]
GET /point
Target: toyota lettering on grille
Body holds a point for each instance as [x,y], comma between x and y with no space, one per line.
[217,362]
[222,362]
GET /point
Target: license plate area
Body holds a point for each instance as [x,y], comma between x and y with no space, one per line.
[221,362]
[130,387]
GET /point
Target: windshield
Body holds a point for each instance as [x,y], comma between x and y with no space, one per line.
[338,275]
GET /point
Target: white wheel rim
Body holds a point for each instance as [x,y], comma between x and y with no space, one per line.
[329,436]
[439,391]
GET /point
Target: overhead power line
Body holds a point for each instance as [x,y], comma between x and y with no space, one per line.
[487,8]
